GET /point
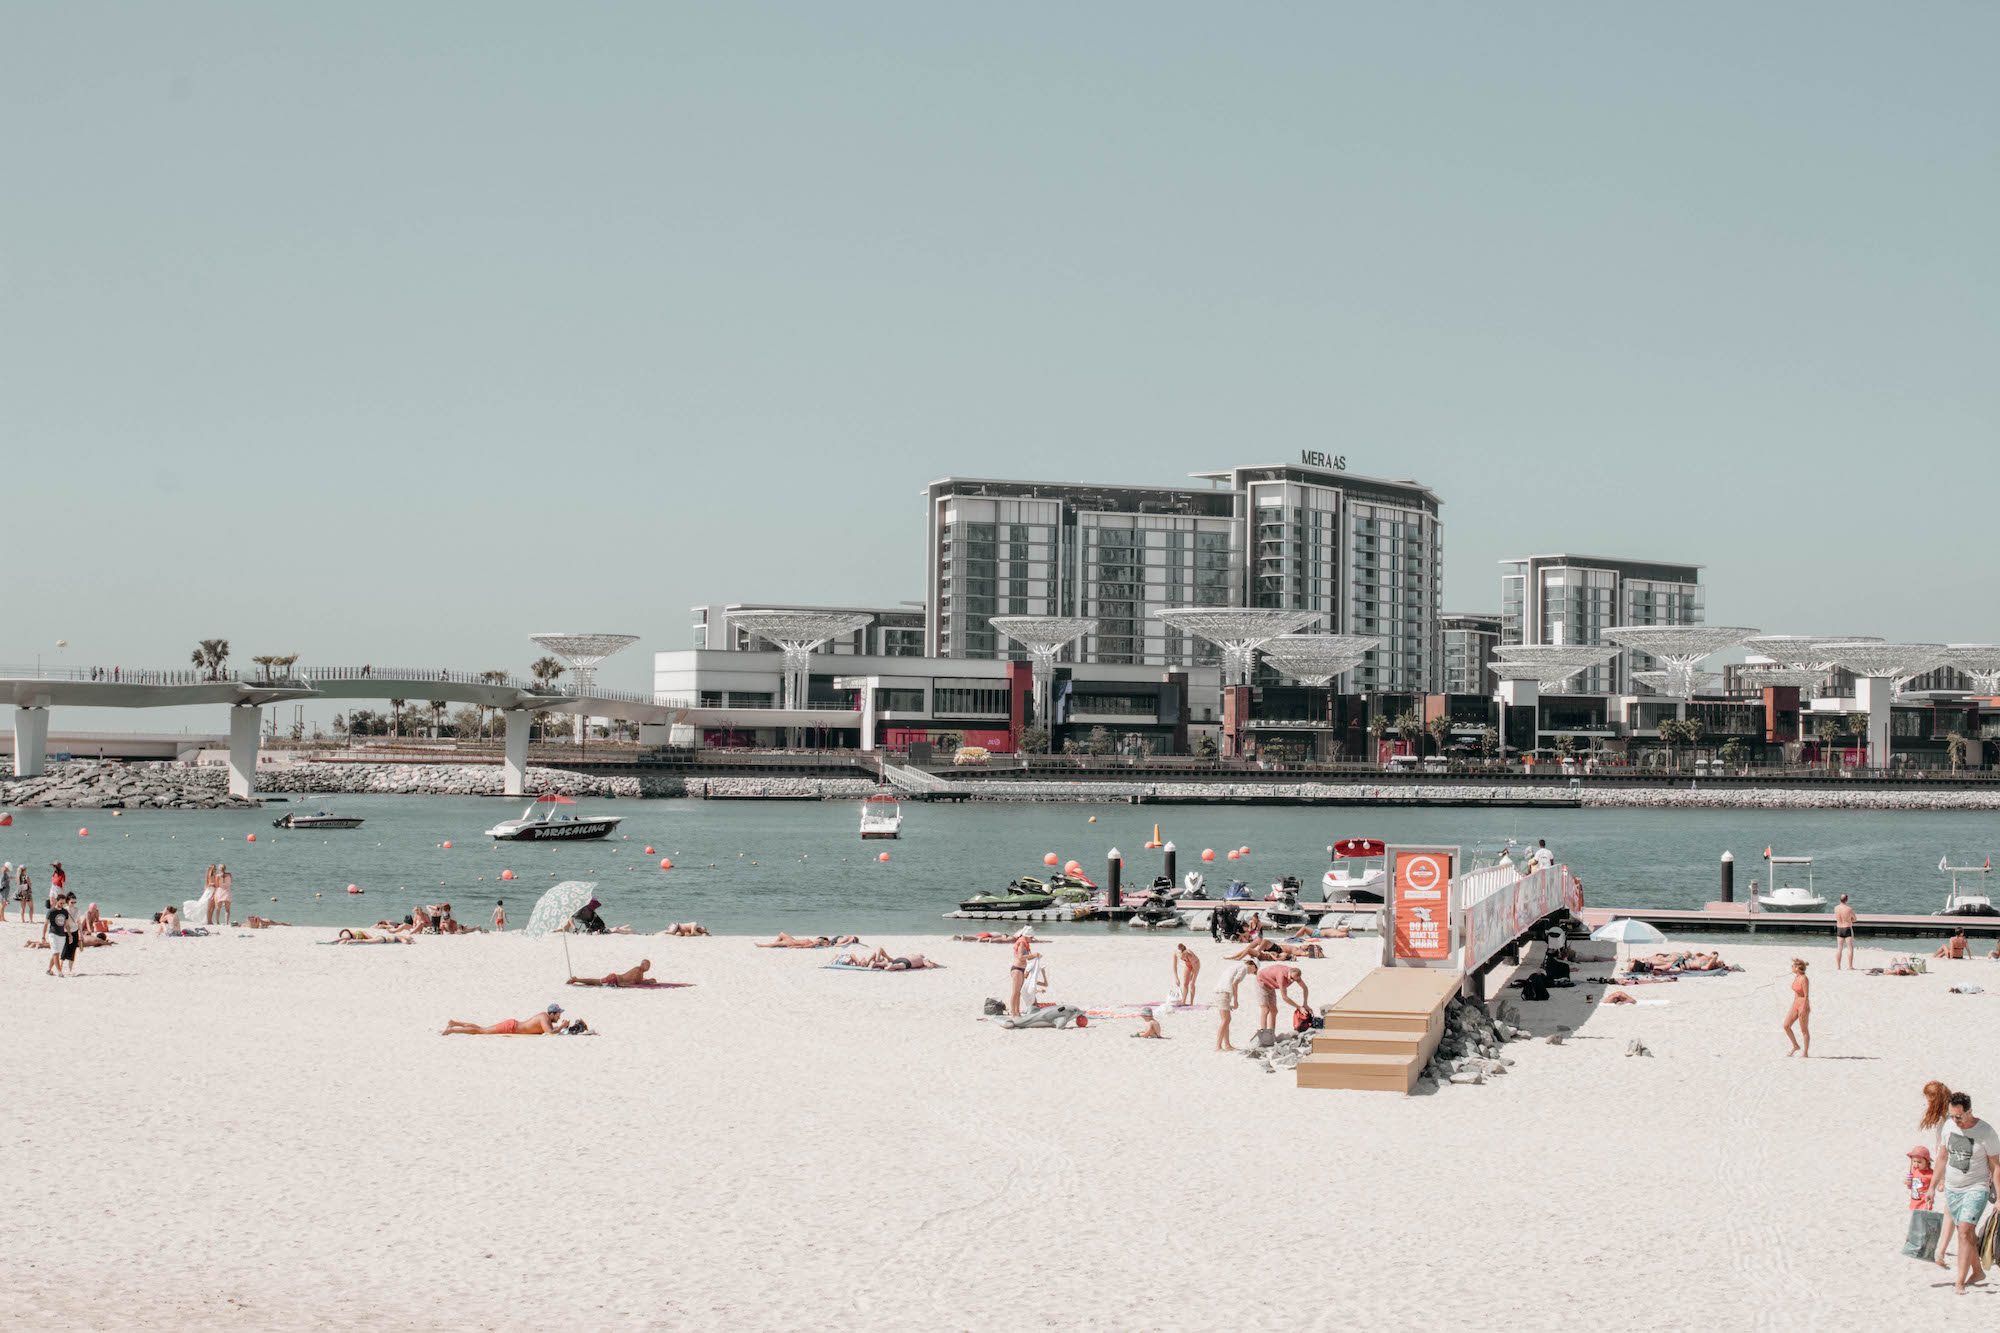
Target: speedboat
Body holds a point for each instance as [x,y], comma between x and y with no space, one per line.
[1957,903]
[1353,879]
[881,817]
[1017,898]
[318,819]
[1789,898]
[544,821]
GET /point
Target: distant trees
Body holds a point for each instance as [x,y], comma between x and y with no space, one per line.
[1440,729]
[1678,731]
[274,667]
[396,717]
[1034,740]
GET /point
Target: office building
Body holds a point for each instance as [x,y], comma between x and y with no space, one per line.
[1469,641]
[1570,600]
[1365,552]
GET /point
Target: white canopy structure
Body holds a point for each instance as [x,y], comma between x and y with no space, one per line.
[1801,679]
[1670,683]
[583,652]
[1981,661]
[1315,659]
[1044,637]
[1679,648]
[1549,665]
[1238,630]
[797,634]
[1800,652]
[1877,668]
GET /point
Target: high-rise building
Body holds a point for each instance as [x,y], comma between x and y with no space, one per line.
[1572,599]
[1469,640]
[1309,536]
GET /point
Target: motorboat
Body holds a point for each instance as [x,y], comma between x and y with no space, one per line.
[1959,903]
[1360,872]
[546,821]
[1018,897]
[318,819]
[881,817]
[1789,897]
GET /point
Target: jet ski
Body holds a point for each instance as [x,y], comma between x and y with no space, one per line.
[1018,897]
[1284,913]
[1192,888]
[1063,888]
[1157,913]
[1236,892]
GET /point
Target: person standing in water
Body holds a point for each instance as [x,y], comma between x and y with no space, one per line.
[1801,1011]
[1843,934]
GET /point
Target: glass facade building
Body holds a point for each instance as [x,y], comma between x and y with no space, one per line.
[1469,641]
[1572,599]
[1362,551]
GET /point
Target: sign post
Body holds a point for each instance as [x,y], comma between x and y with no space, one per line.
[1423,918]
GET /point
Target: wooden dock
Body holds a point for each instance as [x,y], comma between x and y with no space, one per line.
[1729,918]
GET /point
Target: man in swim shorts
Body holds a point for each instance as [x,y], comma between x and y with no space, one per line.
[541,1025]
[1843,934]
[631,976]
[1275,980]
[1970,1175]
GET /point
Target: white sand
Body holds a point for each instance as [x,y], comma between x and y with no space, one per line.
[256,1132]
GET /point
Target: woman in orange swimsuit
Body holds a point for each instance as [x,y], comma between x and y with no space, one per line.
[1801,1009]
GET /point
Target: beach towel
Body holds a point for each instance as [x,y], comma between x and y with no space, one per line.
[1926,1228]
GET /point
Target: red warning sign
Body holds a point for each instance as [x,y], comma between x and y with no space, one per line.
[1423,904]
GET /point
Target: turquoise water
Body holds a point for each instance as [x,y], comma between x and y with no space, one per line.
[758,867]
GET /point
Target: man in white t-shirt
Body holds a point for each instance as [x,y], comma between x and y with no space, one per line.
[1544,858]
[1227,997]
[1970,1176]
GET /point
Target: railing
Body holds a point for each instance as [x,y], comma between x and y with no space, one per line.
[810,706]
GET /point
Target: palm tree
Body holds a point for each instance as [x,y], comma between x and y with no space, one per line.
[1378,725]
[211,655]
[1440,730]
[437,716]
[485,714]
[1410,730]
[1857,726]
[544,670]
[1824,731]
[1956,747]
[396,718]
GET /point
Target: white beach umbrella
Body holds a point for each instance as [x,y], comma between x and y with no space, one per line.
[1627,931]
[555,909]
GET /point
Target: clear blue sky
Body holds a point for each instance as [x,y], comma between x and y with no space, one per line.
[396,332]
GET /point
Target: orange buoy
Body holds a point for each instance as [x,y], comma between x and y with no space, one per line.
[666,863]
[649,851]
[252,838]
[883,857]
[506,874]
[353,888]
[1050,859]
[1234,855]
[1093,819]
[83,833]
[1208,853]
[1244,850]
[447,844]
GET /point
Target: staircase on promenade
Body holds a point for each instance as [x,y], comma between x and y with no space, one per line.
[912,779]
[1379,1036]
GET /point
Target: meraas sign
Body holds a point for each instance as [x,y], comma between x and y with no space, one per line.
[1331,462]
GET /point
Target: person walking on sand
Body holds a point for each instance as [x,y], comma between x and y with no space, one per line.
[1937,1112]
[1970,1173]
[1187,966]
[55,928]
[1017,972]
[1801,1010]
[1226,1000]
[1843,933]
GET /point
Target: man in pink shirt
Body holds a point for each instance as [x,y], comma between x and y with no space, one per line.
[1275,980]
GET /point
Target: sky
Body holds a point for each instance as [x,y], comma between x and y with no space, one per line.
[396,333]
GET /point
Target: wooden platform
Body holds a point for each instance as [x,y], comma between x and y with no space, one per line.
[1379,1036]
[1717,918]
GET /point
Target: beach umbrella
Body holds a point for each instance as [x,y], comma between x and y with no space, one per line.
[555,909]
[1627,931]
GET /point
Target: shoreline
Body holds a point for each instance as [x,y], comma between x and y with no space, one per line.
[87,786]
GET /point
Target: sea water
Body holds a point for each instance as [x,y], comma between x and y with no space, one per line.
[757,867]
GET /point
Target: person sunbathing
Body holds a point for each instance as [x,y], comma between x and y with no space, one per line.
[93,924]
[785,941]
[1305,933]
[170,922]
[363,937]
[265,923]
[543,1024]
[631,976]
[994,937]
[882,961]
[683,928]
[1952,948]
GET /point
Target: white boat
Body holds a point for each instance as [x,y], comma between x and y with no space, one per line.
[1958,903]
[319,819]
[543,822]
[1789,898]
[1353,879]
[881,817]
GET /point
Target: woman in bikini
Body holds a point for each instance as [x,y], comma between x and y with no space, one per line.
[1801,1011]
[541,1025]
[1017,972]
[684,928]
[1187,966]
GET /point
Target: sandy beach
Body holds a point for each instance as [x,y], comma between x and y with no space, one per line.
[254,1131]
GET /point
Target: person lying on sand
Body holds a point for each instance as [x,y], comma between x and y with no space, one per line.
[265,923]
[881,961]
[1619,997]
[364,937]
[1305,933]
[541,1025]
[631,976]
[683,928]
[785,941]
[994,937]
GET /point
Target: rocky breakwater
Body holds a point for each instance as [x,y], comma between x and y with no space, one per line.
[773,788]
[445,780]
[1791,798]
[79,786]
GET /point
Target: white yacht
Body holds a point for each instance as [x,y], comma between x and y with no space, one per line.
[1789,897]
[881,817]
[1360,871]
[1959,903]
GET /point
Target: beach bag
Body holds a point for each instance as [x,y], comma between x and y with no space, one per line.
[1302,1021]
[1987,1234]
[1536,987]
[1926,1229]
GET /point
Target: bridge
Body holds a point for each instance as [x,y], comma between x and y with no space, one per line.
[34,691]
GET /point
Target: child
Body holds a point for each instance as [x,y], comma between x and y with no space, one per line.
[1919,1179]
[500,914]
[1152,1026]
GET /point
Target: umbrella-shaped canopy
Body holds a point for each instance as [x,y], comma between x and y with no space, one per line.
[558,905]
[1627,931]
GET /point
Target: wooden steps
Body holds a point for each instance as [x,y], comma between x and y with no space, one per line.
[1380,1035]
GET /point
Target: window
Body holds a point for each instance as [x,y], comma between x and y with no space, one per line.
[955,701]
[889,700]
